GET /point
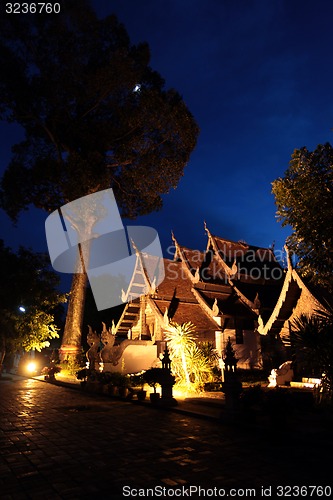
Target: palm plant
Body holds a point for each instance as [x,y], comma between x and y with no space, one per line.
[180,339]
[190,364]
[210,352]
[199,367]
[312,343]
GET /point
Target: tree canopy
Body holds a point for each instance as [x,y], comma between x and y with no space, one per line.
[304,200]
[95,114]
[28,301]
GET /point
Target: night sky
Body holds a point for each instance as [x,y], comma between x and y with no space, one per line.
[257,75]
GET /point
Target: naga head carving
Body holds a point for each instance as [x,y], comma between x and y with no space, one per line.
[92,337]
[107,337]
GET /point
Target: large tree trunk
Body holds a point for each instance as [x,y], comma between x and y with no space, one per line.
[71,341]
[82,218]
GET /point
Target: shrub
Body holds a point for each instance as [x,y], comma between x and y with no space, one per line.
[82,374]
[158,376]
[152,377]
[116,379]
[253,376]
[50,371]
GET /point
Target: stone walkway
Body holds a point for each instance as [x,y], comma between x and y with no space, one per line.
[60,443]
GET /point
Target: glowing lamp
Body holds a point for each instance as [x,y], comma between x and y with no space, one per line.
[31,367]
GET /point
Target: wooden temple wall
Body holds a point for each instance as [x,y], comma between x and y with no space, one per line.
[248,353]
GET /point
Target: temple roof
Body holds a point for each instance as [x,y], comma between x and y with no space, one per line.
[176,281]
[194,258]
[203,266]
[262,296]
[227,301]
[175,294]
[239,250]
[196,301]
[321,294]
[245,262]
[181,312]
[285,310]
[286,303]
[249,272]
[240,285]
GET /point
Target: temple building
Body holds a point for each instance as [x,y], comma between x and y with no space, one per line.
[232,289]
[296,298]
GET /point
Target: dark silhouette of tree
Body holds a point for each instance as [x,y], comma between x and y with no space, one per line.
[95,116]
[304,200]
[29,301]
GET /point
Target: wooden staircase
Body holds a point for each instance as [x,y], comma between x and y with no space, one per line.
[130,315]
[138,286]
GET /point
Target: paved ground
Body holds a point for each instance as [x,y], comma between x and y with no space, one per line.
[60,443]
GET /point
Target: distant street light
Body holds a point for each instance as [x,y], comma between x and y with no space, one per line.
[22,309]
[31,367]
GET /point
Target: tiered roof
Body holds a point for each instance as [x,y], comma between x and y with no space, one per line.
[296,297]
[175,295]
[220,282]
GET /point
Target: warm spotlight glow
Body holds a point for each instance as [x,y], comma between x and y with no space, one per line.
[31,367]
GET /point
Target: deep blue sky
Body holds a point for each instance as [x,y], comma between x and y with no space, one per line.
[258,77]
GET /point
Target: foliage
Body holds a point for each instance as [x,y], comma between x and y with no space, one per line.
[95,116]
[72,366]
[137,380]
[50,371]
[208,349]
[27,281]
[158,376]
[304,200]
[119,379]
[199,367]
[312,343]
[105,378]
[212,357]
[95,111]
[34,329]
[190,364]
[82,374]
[252,376]
[180,339]
[152,377]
